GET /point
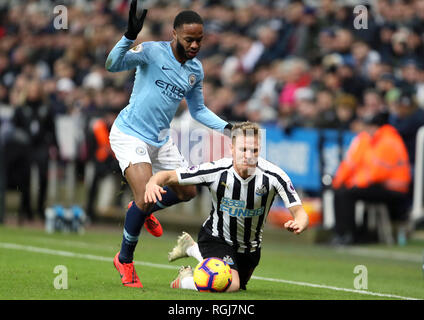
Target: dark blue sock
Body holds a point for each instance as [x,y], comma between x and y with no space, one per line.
[168,199]
[134,221]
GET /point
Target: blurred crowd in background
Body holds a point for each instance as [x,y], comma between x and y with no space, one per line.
[293,63]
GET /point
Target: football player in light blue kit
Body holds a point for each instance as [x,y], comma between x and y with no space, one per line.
[166,72]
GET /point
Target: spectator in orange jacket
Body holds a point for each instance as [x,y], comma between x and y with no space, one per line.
[375,169]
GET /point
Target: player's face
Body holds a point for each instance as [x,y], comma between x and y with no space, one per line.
[245,151]
[188,39]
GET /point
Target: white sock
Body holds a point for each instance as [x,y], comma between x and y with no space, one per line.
[194,252]
[188,283]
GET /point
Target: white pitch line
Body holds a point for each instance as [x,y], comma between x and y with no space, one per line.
[15,246]
[69,254]
[313,285]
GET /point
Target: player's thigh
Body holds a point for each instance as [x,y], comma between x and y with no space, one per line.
[128,149]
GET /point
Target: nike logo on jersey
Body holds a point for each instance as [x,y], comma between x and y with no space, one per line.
[166,68]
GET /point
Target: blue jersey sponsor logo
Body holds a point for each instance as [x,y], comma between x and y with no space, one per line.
[170,90]
[237,208]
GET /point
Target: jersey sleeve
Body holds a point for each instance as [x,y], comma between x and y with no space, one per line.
[203,174]
[200,112]
[122,58]
[284,186]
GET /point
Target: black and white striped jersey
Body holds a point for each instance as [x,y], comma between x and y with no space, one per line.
[240,206]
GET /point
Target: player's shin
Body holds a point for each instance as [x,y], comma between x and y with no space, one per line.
[134,221]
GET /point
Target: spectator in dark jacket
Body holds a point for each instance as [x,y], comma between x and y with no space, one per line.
[34,122]
[407,118]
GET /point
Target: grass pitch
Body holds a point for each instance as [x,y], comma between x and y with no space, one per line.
[288,270]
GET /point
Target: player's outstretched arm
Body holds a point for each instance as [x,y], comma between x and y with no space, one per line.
[154,187]
[202,114]
[121,58]
[300,222]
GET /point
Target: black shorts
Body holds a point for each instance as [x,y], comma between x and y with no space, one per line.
[244,263]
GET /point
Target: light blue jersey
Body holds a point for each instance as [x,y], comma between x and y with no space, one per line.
[161,82]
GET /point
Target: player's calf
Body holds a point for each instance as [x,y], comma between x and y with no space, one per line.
[185,193]
[151,224]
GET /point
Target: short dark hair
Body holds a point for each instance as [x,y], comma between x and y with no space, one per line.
[187,17]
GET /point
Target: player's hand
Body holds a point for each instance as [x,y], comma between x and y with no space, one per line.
[227,130]
[153,193]
[134,24]
[293,226]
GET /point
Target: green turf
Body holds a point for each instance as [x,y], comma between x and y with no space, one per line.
[26,275]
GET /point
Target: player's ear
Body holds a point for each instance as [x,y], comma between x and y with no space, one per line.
[174,34]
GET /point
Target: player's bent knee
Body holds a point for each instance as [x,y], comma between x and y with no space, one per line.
[190,193]
[139,202]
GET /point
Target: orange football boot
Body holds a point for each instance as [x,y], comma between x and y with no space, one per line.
[127,272]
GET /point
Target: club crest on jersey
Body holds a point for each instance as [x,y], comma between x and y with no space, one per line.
[192,79]
[260,191]
[228,259]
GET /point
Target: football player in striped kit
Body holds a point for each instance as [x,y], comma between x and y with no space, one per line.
[243,189]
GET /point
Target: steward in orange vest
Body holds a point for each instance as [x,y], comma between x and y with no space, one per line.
[376,168]
[380,158]
[101,134]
